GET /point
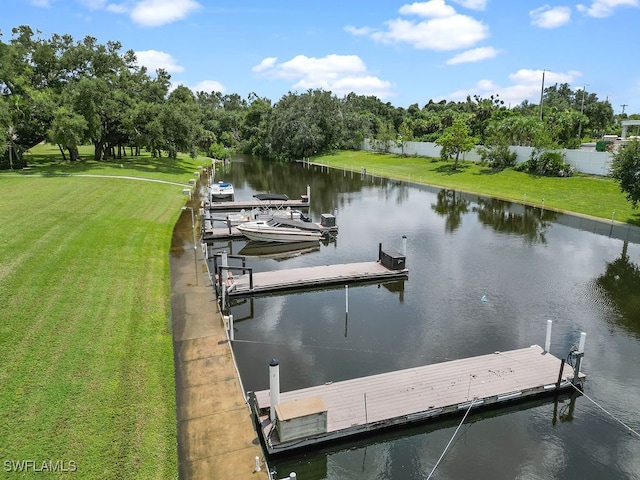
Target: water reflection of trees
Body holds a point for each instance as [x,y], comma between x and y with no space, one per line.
[329,190]
[452,206]
[621,282]
[531,223]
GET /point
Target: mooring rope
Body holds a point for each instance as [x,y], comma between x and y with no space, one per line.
[451,440]
[605,411]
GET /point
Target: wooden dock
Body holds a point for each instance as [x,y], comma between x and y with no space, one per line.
[309,277]
[250,204]
[217,228]
[404,397]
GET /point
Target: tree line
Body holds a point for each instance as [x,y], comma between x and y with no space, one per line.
[72,93]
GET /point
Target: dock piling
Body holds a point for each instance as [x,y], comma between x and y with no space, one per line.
[547,342]
[404,245]
[346,298]
[274,388]
[579,355]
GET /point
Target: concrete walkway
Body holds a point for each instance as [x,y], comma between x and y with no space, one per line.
[216,436]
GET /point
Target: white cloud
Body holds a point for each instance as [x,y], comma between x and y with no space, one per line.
[153,13]
[430,9]
[472,4]
[154,59]
[475,55]
[41,3]
[208,86]
[117,8]
[147,13]
[265,64]
[550,17]
[449,33]
[340,74]
[526,85]
[605,8]
[442,28]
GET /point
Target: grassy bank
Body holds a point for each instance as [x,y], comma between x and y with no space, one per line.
[87,364]
[588,195]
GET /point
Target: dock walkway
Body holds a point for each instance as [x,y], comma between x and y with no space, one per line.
[416,394]
[311,277]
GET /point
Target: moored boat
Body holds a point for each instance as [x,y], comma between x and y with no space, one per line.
[221,191]
[273,231]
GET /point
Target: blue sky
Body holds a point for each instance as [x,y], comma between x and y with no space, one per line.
[401,52]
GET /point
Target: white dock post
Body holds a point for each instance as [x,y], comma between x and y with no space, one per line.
[274,388]
[346,298]
[309,195]
[231,332]
[225,263]
[579,356]
[583,339]
[547,342]
[293,476]
[404,245]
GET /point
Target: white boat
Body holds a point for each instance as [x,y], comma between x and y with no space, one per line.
[221,191]
[272,231]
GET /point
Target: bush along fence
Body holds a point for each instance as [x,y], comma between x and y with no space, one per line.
[584,161]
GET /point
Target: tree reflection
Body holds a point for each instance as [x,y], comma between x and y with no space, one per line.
[531,223]
[621,281]
[452,206]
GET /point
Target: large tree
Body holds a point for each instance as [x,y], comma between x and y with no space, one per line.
[455,140]
[625,168]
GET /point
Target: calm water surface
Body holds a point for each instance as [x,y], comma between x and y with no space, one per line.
[530,265]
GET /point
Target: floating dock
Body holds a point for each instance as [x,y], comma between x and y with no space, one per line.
[250,204]
[336,410]
[308,277]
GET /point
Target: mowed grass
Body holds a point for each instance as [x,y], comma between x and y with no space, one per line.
[86,358]
[599,197]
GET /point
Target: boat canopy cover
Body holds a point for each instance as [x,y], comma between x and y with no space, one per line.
[266,197]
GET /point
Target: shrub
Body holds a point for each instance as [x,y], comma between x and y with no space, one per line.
[498,157]
[546,164]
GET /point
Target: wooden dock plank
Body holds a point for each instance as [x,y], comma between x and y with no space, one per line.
[431,390]
[312,276]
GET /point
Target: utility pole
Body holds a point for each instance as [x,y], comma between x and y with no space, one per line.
[623,105]
[584,89]
[541,94]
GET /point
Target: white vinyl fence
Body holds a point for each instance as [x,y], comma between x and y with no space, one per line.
[590,162]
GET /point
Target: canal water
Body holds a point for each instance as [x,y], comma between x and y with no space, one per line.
[484,275]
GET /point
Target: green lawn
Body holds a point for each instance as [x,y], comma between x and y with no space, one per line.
[588,195]
[86,364]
